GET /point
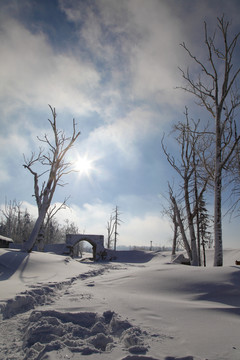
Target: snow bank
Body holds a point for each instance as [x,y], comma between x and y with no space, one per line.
[140,306]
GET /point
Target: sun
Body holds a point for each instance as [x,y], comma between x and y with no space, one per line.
[84,165]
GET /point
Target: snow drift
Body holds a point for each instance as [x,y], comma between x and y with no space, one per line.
[140,306]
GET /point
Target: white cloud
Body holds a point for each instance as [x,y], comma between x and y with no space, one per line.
[32,209]
[134,230]
[90,218]
[124,135]
[141,231]
[13,143]
[33,75]
[138,43]
[156,57]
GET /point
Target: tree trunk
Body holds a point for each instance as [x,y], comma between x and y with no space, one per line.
[175,224]
[204,253]
[197,215]
[180,223]
[218,252]
[29,244]
[194,260]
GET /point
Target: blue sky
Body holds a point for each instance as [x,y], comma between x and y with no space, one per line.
[113,66]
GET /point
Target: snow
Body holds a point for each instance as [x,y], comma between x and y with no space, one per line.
[140,306]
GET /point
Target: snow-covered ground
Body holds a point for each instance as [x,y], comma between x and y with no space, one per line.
[137,307]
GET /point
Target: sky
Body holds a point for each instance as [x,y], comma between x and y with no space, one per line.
[113,66]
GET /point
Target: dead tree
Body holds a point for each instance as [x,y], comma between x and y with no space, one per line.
[216,90]
[116,222]
[54,160]
[188,137]
[110,230]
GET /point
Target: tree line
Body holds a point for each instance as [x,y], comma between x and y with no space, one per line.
[17,224]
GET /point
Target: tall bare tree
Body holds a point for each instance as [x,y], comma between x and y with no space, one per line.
[116,222]
[216,89]
[188,166]
[54,161]
[110,230]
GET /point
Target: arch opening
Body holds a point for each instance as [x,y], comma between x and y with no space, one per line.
[80,247]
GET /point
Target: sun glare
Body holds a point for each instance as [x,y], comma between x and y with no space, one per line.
[84,165]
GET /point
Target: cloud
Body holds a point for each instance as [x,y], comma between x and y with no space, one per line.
[123,136]
[32,209]
[12,142]
[136,229]
[33,75]
[91,218]
[104,29]
[137,44]
[142,231]
[13,146]
[156,56]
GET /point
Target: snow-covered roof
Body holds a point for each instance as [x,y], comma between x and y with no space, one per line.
[6,238]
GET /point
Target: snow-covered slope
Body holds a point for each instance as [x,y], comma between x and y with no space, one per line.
[138,307]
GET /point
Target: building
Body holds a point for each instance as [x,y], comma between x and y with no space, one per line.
[5,241]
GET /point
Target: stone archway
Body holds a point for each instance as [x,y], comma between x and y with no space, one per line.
[97,242]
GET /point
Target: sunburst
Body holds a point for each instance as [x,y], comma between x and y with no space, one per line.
[84,165]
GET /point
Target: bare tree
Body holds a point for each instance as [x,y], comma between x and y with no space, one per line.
[110,230]
[216,90]
[116,222]
[188,167]
[54,160]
